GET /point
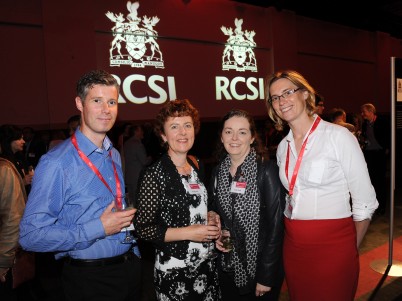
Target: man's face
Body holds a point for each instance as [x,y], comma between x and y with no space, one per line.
[98,111]
[367,115]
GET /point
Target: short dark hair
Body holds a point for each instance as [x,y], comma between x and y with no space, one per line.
[95,77]
[176,108]
[74,118]
[318,99]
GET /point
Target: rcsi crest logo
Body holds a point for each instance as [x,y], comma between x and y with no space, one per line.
[139,38]
[239,53]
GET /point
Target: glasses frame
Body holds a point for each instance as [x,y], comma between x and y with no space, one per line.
[285,95]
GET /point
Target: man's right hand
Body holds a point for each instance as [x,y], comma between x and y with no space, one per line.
[114,221]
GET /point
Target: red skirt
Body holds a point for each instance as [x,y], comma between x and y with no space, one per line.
[321,259]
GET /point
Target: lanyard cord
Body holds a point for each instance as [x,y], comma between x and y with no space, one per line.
[96,170]
[292,182]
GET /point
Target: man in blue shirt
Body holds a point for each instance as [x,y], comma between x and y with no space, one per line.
[70,210]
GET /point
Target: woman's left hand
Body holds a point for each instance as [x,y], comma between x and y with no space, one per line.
[260,290]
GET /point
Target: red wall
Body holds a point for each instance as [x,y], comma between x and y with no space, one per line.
[47,45]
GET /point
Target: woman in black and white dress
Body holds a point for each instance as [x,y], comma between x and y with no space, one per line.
[172,211]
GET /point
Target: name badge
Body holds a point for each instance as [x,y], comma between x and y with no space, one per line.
[290,203]
[238,187]
[193,188]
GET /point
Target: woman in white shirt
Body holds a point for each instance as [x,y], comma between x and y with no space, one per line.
[330,198]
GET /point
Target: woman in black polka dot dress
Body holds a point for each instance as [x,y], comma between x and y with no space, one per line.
[172,211]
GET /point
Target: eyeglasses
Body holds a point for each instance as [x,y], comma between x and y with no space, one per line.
[285,95]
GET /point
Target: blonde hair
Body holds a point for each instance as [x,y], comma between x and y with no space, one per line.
[369,107]
[297,79]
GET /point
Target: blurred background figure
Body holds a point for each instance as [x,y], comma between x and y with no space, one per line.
[73,122]
[136,158]
[57,137]
[319,104]
[272,138]
[12,146]
[34,148]
[376,133]
[338,116]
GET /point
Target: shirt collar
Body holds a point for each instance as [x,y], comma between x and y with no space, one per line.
[88,147]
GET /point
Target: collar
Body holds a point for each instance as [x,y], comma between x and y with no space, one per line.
[88,147]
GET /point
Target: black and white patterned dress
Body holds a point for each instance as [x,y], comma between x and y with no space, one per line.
[181,273]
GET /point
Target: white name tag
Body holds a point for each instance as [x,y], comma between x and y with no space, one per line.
[238,187]
[193,188]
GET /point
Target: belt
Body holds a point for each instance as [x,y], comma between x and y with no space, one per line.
[101,261]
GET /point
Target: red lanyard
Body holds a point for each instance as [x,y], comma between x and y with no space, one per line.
[96,170]
[299,159]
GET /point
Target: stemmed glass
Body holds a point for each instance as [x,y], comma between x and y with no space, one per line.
[123,202]
[211,221]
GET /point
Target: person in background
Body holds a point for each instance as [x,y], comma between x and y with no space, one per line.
[319,104]
[12,204]
[253,215]
[338,116]
[12,145]
[57,137]
[71,210]
[34,146]
[376,134]
[135,160]
[330,199]
[172,211]
[73,123]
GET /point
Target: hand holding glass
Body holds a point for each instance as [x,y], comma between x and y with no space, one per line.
[228,244]
[122,203]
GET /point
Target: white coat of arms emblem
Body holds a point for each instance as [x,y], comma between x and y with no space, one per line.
[138,36]
[239,50]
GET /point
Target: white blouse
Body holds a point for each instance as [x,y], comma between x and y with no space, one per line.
[332,170]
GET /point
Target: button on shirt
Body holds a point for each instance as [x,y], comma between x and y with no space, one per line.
[67,199]
[332,169]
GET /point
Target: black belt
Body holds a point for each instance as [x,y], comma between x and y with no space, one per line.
[101,261]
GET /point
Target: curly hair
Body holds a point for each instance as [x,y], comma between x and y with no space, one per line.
[221,152]
[297,79]
[92,78]
[176,108]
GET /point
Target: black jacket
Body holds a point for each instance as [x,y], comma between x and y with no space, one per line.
[272,202]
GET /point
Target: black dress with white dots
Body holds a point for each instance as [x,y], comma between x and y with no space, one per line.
[165,201]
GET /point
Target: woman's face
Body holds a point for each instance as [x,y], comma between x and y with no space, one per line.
[17,145]
[236,136]
[291,107]
[179,134]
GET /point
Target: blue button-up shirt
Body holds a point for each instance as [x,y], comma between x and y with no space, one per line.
[66,201]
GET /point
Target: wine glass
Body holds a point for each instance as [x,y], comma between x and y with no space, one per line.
[123,202]
[228,244]
[211,221]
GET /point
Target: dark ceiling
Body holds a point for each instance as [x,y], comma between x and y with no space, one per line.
[371,15]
